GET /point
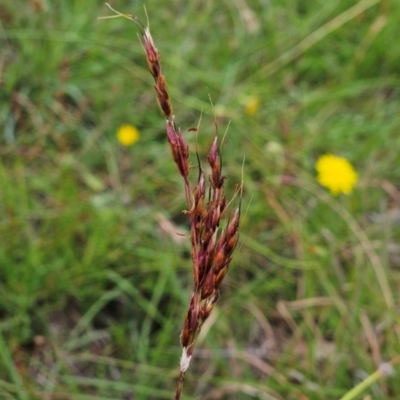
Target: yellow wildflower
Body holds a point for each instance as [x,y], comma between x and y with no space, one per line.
[127,135]
[336,174]
[252,105]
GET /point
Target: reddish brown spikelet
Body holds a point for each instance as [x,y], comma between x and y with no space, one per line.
[191,322]
[153,62]
[152,54]
[163,96]
[217,180]
[232,233]
[213,158]
[179,149]
[220,276]
[207,289]
[172,136]
[219,259]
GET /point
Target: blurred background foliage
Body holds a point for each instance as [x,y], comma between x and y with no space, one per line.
[94,281]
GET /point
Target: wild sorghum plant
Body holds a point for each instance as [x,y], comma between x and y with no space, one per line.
[212,247]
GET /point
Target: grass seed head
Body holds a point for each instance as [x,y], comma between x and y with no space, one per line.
[211,251]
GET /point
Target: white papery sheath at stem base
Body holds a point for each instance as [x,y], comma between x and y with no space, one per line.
[185,360]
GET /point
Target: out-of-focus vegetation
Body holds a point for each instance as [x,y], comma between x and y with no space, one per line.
[93,287]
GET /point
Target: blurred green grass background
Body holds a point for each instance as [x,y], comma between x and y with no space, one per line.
[93,289]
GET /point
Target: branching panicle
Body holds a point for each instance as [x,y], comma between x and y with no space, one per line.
[212,247]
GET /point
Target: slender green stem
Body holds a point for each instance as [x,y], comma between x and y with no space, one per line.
[383,370]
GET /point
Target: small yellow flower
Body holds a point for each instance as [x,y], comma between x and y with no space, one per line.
[127,135]
[336,174]
[252,105]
